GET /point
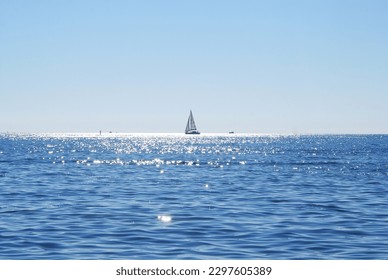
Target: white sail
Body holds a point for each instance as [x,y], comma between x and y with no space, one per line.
[191,128]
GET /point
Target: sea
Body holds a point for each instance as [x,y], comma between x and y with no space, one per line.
[199,197]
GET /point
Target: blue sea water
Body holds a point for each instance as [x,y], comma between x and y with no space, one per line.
[134,196]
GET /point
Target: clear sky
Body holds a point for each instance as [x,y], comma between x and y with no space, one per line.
[140,66]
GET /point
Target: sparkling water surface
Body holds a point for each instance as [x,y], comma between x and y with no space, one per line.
[156,196]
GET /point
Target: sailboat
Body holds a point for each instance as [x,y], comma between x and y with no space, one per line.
[191,127]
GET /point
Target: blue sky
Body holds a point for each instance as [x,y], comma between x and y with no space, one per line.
[140,66]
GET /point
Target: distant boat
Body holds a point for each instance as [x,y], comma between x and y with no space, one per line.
[191,127]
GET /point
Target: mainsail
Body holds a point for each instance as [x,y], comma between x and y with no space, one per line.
[191,128]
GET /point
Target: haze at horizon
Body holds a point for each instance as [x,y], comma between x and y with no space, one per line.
[246,66]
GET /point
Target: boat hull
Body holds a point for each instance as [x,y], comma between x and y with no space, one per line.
[193,132]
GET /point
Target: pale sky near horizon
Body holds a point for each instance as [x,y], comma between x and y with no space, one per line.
[247,66]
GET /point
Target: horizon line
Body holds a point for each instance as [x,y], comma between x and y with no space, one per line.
[110,133]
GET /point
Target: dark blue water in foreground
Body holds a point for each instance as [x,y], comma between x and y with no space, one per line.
[193,197]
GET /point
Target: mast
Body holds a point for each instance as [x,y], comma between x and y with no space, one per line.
[192,122]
